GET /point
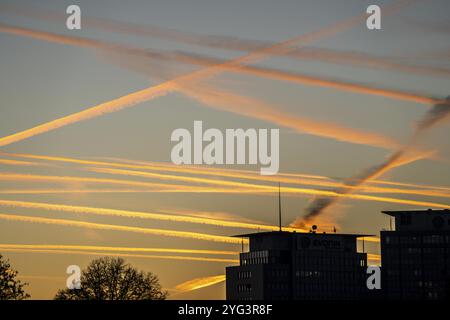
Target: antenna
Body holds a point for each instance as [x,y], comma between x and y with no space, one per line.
[279,205]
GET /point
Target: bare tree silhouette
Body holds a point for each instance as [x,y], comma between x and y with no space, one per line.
[113,279]
[10,287]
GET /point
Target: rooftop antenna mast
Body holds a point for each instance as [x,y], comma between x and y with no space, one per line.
[279,205]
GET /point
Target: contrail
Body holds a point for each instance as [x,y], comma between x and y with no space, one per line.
[138,214]
[290,178]
[141,256]
[232,184]
[165,190]
[115,249]
[321,203]
[231,173]
[439,192]
[263,111]
[166,87]
[438,114]
[254,108]
[17,163]
[273,189]
[227,42]
[199,283]
[248,187]
[211,62]
[62,179]
[99,226]
[306,79]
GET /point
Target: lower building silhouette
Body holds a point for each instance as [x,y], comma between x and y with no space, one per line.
[415,263]
[293,266]
[416,256]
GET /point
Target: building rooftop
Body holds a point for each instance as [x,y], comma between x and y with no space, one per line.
[428,211]
[287,233]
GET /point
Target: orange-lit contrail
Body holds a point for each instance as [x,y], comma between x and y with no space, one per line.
[309,80]
[261,110]
[141,256]
[248,187]
[138,214]
[227,172]
[196,170]
[166,87]
[16,162]
[290,178]
[251,107]
[258,71]
[240,174]
[199,283]
[99,226]
[165,190]
[223,42]
[115,249]
[62,179]
[273,189]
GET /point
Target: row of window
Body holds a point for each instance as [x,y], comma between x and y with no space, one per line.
[249,261]
[244,274]
[428,239]
[244,287]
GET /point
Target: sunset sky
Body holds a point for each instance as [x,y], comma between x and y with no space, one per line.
[345,100]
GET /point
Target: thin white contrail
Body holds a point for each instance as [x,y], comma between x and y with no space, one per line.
[100,226]
[121,254]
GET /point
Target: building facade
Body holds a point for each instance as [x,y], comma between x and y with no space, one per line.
[298,266]
[416,256]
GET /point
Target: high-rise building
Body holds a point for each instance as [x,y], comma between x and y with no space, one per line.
[416,256]
[298,266]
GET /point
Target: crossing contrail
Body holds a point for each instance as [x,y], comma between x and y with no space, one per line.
[261,110]
[169,86]
[237,186]
[227,42]
[436,115]
[288,178]
[139,54]
[288,190]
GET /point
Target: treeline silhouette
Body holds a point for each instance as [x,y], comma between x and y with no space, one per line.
[103,279]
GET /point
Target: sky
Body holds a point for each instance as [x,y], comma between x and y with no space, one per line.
[43,80]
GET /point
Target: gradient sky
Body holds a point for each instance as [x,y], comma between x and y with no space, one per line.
[41,81]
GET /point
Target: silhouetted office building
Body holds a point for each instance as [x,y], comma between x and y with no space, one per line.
[289,265]
[416,256]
